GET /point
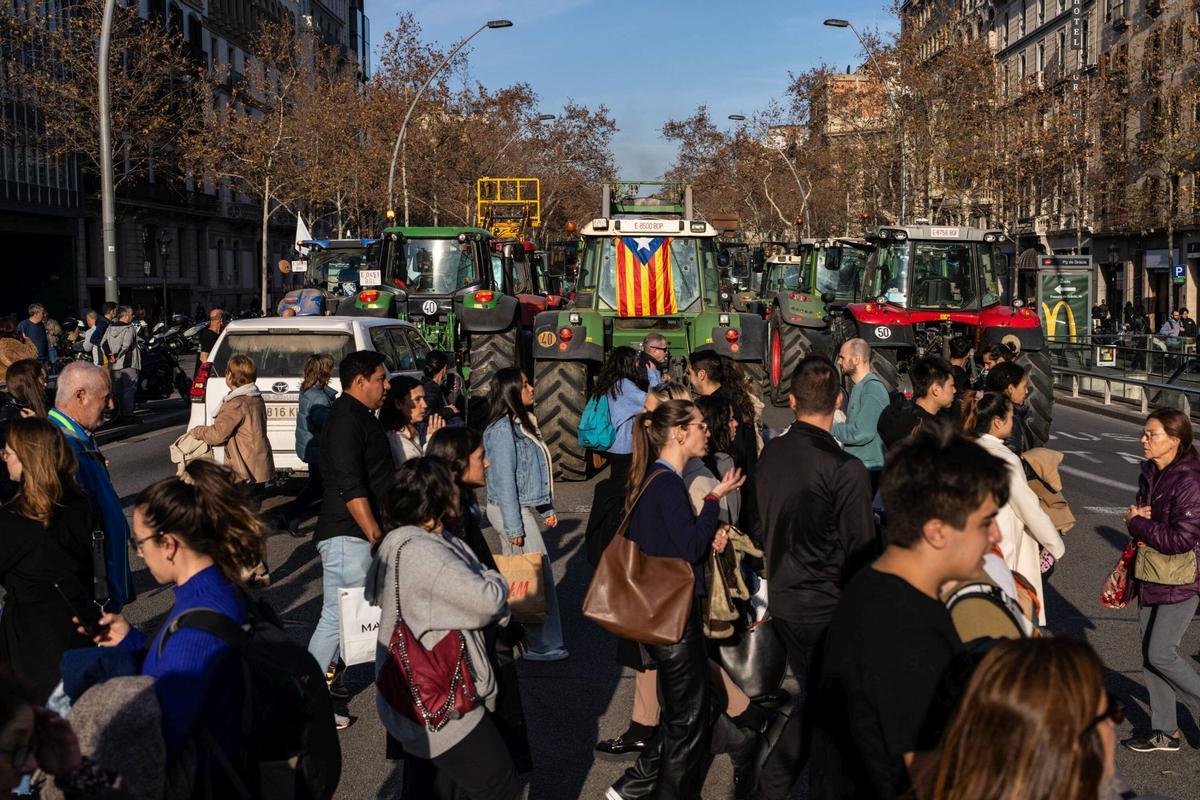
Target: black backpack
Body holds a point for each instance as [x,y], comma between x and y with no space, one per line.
[291,749]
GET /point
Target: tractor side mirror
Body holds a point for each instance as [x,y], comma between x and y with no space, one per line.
[1004,266]
[722,258]
[740,270]
[833,260]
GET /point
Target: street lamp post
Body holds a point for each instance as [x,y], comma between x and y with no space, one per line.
[108,202]
[540,119]
[843,23]
[790,166]
[397,151]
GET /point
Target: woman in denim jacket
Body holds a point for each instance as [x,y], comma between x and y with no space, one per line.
[519,483]
[316,398]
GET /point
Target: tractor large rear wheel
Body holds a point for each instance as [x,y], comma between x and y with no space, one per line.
[561,388]
[490,353]
[1041,395]
[788,345]
[886,370]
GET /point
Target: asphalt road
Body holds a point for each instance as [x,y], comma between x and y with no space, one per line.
[570,704]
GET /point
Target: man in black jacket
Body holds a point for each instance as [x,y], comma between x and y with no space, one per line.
[356,465]
[818,529]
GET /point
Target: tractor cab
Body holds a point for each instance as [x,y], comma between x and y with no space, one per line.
[935,269]
[331,276]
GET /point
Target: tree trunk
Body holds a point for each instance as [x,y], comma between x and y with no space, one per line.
[266,216]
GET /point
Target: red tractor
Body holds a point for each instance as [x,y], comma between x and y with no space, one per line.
[921,286]
[516,264]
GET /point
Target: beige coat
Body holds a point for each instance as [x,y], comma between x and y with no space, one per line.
[12,350]
[1044,463]
[1023,524]
[241,426]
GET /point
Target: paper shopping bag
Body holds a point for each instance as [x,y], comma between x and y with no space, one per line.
[526,586]
[360,627]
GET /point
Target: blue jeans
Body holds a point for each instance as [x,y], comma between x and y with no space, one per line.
[344,563]
[546,638]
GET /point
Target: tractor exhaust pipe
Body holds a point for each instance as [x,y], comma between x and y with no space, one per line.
[687,201]
[606,200]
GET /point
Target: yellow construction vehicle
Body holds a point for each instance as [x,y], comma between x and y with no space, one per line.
[508,208]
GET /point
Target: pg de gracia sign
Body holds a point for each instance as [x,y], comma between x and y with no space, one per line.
[1065,303]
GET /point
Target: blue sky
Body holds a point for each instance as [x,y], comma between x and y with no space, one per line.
[648,61]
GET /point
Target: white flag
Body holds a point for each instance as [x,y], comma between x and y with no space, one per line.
[302,235]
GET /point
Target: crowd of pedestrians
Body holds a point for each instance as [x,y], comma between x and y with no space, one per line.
[846,540]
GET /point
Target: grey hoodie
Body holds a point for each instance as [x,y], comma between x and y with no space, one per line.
[443,587]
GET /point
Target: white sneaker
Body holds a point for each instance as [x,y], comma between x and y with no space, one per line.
[612,794]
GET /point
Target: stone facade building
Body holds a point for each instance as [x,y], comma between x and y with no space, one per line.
[179,247]
[1054,46]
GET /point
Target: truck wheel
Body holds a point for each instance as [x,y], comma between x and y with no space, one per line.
[562,392]
[1041,395]
[788,344]
[490,353]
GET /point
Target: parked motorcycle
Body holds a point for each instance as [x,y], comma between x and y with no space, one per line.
[161,374]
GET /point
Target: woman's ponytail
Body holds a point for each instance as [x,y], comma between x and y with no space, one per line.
[650,432]
[980,410]
[209,510]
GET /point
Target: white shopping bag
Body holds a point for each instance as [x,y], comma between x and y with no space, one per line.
[359,628]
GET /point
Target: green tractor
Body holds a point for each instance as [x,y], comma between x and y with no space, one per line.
[796,288]
[447,283]
[647,266]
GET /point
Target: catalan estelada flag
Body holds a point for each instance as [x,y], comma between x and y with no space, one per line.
[644,285]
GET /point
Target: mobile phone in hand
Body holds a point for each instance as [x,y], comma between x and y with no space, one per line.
[88,614]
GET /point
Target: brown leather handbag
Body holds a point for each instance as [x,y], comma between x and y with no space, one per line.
[636,596]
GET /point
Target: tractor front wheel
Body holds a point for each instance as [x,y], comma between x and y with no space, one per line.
[490,353]
[1041,395]
[561,388]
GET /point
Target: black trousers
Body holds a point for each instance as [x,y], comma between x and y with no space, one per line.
[477,768]
[673,766]
[608,505]
[787,759]
[314,489]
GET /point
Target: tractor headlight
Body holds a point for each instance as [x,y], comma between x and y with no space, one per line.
[575,319]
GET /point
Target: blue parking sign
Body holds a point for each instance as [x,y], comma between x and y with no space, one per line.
[1178,272]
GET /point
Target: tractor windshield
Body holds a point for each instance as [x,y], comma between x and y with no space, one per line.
[840,281]
[786,277]
[890,276]
[632,278]
[942,275]
[335,271]
[432,266]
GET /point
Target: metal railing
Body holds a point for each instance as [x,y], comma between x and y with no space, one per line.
[1163,372]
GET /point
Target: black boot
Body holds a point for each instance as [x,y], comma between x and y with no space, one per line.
[746,763]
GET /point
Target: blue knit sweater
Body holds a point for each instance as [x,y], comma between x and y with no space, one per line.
[663,523]
[198,678]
